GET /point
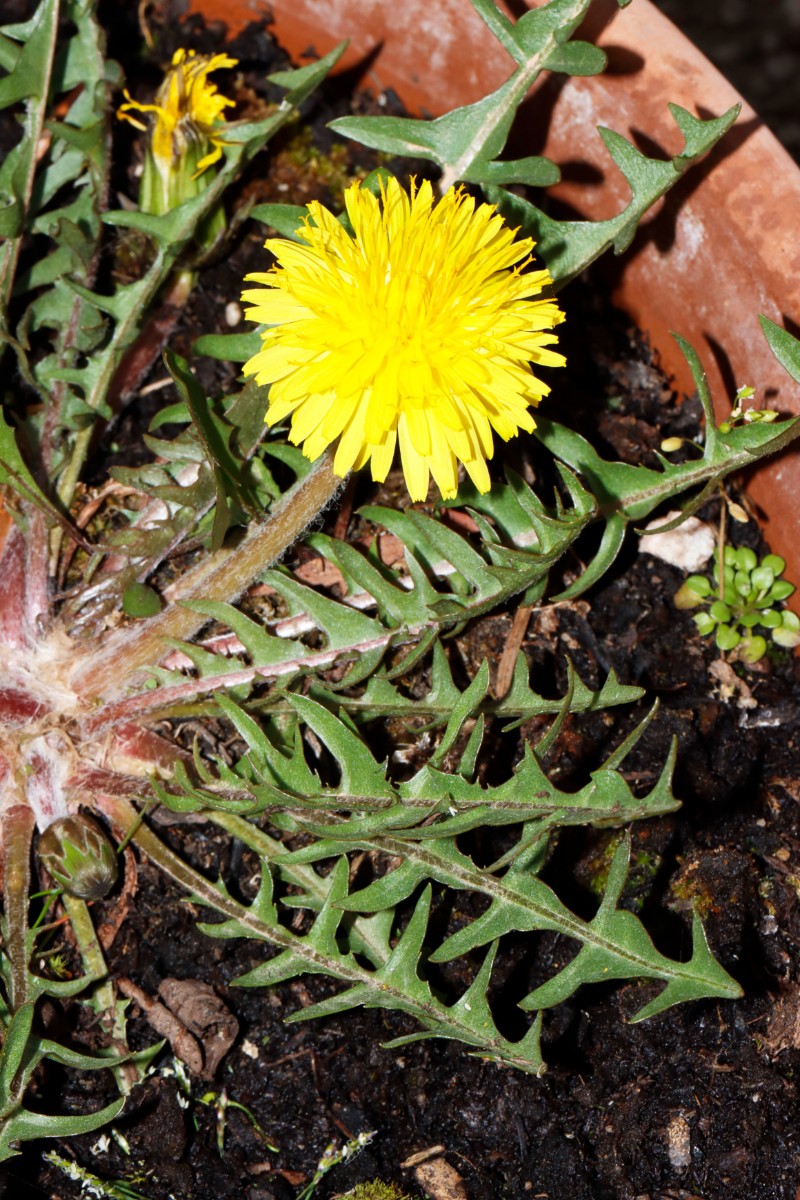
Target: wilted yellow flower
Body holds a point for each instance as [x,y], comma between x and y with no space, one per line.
[184,132]
[420,327]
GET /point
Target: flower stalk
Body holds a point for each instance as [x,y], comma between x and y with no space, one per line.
[221,576]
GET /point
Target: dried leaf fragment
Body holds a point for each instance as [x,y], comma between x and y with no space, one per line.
[197,1024]
[204,1014]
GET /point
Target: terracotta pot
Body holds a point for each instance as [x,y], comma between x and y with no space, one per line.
[720,249]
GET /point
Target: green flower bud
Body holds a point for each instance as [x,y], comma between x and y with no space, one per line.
[79,856]
[186,137]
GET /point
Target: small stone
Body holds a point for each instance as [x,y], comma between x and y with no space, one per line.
[679,1143]
[689,547]
[233,313]
[440,1180]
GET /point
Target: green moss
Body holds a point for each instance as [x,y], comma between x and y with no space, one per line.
[329,170]
[377,1191]
[690,892]
[592,871]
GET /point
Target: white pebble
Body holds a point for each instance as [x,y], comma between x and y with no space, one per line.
[679,1143]
[233,313]
[689,546]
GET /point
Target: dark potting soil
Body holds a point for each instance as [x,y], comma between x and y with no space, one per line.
[700,1102]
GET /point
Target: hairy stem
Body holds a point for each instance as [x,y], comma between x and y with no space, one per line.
[103,999]
[222,576]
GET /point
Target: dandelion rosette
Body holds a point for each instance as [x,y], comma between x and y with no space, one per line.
[185,140]
[419,327]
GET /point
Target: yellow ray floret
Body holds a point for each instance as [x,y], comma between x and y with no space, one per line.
[187,109]
[419,329]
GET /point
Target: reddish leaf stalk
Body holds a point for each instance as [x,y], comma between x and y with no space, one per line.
[18,827]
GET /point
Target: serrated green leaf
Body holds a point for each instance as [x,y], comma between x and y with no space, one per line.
[14,473]
[228,347]
[214,441]
[783,345]
[533,172]
[465,142]
[285,219]
[361,774]
[24,1126]
[300,82]
[578,58]
[568,247]
[619,939]
[11,215]
[29,77]
[550,26]
[465,707]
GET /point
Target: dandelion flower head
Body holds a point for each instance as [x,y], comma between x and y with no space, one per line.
[421,329]
[188,110]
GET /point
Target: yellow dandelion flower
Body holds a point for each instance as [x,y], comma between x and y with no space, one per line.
[186,118]
[420,328]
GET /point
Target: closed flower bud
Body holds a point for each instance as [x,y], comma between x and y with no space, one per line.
[186,125]
[79,856]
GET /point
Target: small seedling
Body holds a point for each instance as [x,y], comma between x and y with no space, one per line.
[221,1105]
[92,1185]
[333,1156]
[749,599]
[218,1102]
